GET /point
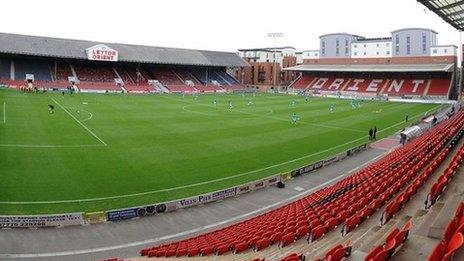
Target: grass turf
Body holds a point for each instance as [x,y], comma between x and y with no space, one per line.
[166,146]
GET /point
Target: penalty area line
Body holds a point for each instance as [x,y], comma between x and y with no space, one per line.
[4,112]
[80,123]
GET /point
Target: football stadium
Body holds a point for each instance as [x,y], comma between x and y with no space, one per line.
[118,151]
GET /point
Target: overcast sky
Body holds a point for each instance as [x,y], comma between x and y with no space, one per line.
[217,24]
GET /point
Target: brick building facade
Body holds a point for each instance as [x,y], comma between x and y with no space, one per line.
[260,75]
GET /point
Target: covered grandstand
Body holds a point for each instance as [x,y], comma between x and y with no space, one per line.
[389,80]
[452,11]
[112,67]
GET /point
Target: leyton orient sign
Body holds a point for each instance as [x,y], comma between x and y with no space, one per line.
[101,52]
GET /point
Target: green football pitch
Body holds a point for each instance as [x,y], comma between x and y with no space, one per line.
[108,151]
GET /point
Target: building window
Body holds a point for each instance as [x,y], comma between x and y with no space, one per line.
[364,46]
[388,52]
[445,50]
[397,43]
[323,51]
[377,45]
[338,43]
[337,51]
[434,50]
[408,44]
[364,53]
[355,46]
[346,41]
[387,44]
[355,53]
[346,51]
[424,43]
[377,53]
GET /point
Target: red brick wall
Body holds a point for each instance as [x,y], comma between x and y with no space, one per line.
[262,74]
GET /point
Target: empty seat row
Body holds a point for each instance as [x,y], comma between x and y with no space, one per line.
[95,74]
[397,204]
[392,243]
[453,238]
[346,203]
[440,185]
[302,82]
[338,252]
[294,257]
[408,179]
[393,86]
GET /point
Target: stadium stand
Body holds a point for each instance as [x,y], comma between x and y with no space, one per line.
[4,68]
[166,76]
[231,84]
[135,80]
[393,241]
[218,77]
[293,257]
[99,86]
[226,77]
[67,57]
[200,74]
[170,79]
[453,238]
[441,184]
[440,87]
[302,82]
[40,70]
[95,74]
[129,77]
[209,77]
[96,78]
[348,202]
[63,71]
[185,75]
[393,86]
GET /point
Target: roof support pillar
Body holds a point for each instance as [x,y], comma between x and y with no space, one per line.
[12,70]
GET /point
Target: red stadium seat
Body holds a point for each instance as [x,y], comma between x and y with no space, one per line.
[454,244]
[352,200]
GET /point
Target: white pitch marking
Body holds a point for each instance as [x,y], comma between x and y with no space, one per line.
[80,123]
[168,237]
[4,112]
[194,184]
[196,112]
[211,114]
[77,109]
[51,145]
[280,119]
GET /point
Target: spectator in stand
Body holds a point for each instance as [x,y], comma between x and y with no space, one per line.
[403,138]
